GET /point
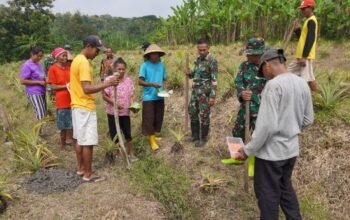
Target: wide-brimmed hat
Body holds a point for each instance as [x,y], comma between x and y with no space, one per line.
[154,48]
[255,46]
[270,55]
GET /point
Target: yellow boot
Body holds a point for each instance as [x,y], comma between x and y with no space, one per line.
[153,143]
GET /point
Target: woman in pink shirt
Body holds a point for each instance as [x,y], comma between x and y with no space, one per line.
[125,93]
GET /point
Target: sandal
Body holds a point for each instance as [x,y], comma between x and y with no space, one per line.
[80,173]
[93,179]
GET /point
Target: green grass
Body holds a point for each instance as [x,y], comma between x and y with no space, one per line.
[313,209]
[170,187]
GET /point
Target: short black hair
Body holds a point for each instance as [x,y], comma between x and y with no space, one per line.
[119,61]
[204,40]
[36,50]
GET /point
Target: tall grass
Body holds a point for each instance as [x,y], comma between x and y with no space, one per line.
[331,94]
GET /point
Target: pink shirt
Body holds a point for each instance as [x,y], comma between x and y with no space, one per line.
[125,91]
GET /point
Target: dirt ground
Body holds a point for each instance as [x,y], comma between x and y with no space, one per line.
[321,176]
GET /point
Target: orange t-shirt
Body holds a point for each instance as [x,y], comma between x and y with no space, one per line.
[60,76]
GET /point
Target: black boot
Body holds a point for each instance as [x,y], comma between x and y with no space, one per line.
[203,136]
[195,131]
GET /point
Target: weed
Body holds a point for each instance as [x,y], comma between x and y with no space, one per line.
[153,176]
[4,196]
[175,80]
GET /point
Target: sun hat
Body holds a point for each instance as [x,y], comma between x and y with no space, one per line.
[307,3]
[94,41]
[57,51]
[154,48]
[270,55]
[255,46]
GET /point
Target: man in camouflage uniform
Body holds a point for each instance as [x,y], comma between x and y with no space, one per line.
[204,86]
[249,86]
[106,64]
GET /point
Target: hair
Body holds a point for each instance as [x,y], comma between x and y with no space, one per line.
[204,40]
[277,60]
[119,61]
[36,50]
[145,45]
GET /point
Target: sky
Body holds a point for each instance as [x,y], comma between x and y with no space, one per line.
[118,8]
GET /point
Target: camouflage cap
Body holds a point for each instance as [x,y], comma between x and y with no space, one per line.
[255,46]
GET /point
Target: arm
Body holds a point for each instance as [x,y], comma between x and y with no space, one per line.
[214,79]
[58,87]
[27,82]
[107,98]
[308,112]
[239,84]
[267,122]
[147,84]
[310,38]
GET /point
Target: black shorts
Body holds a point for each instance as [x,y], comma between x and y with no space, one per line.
[125,126]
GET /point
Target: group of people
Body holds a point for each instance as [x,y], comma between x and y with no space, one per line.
[280,104]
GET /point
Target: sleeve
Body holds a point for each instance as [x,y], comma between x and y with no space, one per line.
[308,112]
[239,84]
[310,38]
[143,71]
[85,72]
[51,79]
[267,121]
[25,71]
[214,78]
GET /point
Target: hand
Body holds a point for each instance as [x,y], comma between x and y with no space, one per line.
[211,102]
[187,71]
[247,95]
[242,153]
[114,81]
[155,85]
[120,107]
[302,62]
[42,83]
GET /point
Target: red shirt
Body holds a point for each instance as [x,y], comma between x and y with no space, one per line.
[60,76]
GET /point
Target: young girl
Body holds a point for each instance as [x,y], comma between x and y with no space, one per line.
[33,77]
[59,78]
[152,77]
[125,93]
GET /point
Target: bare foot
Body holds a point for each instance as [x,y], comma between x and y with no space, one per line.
[63,149]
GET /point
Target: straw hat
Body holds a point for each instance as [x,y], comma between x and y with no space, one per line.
[154,48]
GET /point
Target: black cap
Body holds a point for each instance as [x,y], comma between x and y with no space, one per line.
[270,55]
[94,41]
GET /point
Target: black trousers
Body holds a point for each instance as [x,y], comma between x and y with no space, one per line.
[152,116]
[125,126]
[273,188]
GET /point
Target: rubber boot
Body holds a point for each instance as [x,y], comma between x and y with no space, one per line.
[204,130]
[153,143]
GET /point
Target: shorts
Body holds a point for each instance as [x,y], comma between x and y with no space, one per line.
[84,127]
[152,116]
[64,118]
[125,126]
[305,72]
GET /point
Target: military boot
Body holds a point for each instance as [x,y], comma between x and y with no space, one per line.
[195,131]
[203,136]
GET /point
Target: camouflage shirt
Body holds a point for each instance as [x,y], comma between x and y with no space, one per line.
[247,77]
[48,62]
[205,74]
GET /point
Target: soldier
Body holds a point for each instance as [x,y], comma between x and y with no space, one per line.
[204,75]
[106,64]
[249,86]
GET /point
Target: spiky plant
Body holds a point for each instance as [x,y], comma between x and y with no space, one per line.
[30,153]
[331,94]
[179,136]
[110,149]
[4,196]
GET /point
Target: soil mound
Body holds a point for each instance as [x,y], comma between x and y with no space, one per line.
[48,181]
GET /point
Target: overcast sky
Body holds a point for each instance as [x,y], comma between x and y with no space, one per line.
[120,8]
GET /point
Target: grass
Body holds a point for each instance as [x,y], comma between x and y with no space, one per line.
[153,177]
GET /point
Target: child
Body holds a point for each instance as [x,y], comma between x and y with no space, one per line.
[125,92]
[152,77]
[59,78]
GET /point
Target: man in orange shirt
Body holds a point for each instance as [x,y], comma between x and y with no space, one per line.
[58,77]
[83,106]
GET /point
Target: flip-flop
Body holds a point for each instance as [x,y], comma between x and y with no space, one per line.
[232,161]
[80,173]
[94,179]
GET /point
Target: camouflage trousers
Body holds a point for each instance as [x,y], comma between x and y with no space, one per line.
[198,108]
[239,128]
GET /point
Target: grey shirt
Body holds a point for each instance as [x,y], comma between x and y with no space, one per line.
[286,108]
